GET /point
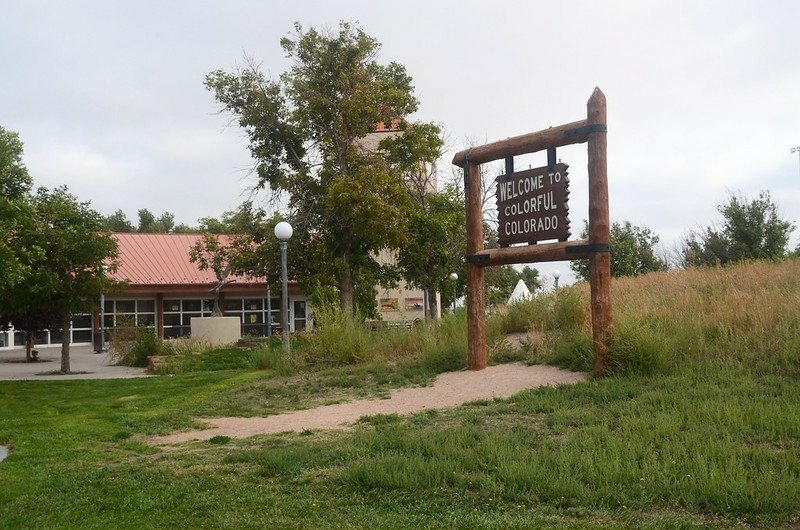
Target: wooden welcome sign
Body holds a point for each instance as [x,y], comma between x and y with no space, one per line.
[533,207]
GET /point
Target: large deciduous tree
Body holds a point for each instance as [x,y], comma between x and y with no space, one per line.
[632,251]
[77,252]
[55,248]
[346,203]
[751,229]
[16,215]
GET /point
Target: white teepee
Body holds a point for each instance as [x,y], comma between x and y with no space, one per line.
[520,293]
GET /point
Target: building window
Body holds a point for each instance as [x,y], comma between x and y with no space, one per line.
[80,331]
[299,315]
[140,313]
[254,314]
[178,314]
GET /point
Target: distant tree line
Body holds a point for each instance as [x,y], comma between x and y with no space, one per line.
[750,229]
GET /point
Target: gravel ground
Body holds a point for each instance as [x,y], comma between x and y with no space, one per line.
[449,390]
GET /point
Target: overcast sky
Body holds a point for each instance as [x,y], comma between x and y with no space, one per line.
[703,97]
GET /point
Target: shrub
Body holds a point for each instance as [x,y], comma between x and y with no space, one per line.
[130,346]
[338,339]
[145,345]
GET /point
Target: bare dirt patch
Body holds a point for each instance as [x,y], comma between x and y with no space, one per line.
[449,390]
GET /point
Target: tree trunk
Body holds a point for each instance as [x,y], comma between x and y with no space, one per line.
[65,321]
[346,291]
[431,294]
[30,336]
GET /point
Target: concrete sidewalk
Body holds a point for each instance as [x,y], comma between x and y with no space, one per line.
[82,359]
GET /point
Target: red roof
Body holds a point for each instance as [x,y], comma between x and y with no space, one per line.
[163,259]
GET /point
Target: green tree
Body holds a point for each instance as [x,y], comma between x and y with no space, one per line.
[500,283]
[347,203]
[15,182]
[63,247]
[164,223]
[118,222]
[183,228]
[632,252]
[150,224]
[531,278]
[16,214]
[76,248]
[435,249]
[751,229]
[146,221]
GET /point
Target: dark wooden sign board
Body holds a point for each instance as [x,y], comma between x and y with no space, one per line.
[532,205]
[591,131]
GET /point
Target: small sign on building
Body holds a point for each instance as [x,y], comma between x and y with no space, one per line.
[532,205]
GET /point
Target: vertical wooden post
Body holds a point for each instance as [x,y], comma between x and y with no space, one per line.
[599,230]
[477,358]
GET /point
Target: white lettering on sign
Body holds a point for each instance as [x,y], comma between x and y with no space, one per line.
[512,188]
[526,226]
[532,205]
[544,202]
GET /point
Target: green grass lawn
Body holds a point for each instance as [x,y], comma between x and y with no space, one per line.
[707,449]
[698,427]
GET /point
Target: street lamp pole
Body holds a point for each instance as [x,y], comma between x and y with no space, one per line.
[796,150]
[283,231]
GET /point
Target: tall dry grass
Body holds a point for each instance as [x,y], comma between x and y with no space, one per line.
[746,314]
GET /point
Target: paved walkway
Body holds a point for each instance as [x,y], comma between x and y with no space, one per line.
[82,359]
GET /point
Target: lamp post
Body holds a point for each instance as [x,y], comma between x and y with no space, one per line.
[796,150]
[284,231]
[454,277]
[556,276]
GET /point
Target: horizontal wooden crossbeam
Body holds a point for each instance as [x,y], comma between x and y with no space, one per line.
[576,132]
[563,251]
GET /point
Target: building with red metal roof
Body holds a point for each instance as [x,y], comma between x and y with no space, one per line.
[165,290]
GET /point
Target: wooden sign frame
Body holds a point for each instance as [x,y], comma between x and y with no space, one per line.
[591,131]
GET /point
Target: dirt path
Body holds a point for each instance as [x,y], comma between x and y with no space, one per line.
[449,390]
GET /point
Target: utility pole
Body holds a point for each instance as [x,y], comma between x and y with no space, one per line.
[796,150]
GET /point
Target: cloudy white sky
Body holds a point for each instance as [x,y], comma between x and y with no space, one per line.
[703,97]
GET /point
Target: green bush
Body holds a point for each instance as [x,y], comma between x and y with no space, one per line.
[131,346]
[338,338]
[145,345]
